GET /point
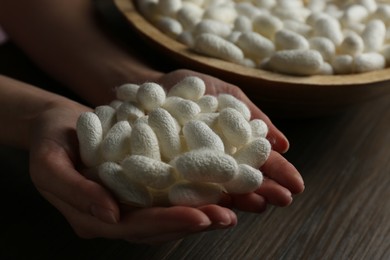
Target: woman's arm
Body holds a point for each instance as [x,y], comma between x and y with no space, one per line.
[21,104]
[65,40]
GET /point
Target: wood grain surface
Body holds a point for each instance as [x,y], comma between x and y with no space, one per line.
[344,213]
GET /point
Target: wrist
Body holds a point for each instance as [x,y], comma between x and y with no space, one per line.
[98,81]
[22,106]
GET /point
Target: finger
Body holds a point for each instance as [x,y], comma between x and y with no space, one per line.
[178,221]
[278,140]
[220,217]
[283,172]
[152,224]
[59,178]
[85,226]
[149,226]
[274,193]
[250,202]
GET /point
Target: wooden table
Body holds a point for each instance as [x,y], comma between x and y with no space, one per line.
[344,212]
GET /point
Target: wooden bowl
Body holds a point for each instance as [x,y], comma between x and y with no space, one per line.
[277,94]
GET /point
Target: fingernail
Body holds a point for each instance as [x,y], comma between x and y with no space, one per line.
[279,144]
[228,220]
[272,140]
[105,215]
[204,223]
[225,222]
[221,225]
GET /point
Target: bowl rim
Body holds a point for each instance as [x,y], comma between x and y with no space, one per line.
[184,54]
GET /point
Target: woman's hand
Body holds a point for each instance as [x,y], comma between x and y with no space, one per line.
[90,209]
[281,177]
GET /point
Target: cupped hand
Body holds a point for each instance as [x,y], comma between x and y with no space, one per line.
[282,179]
[89,208]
